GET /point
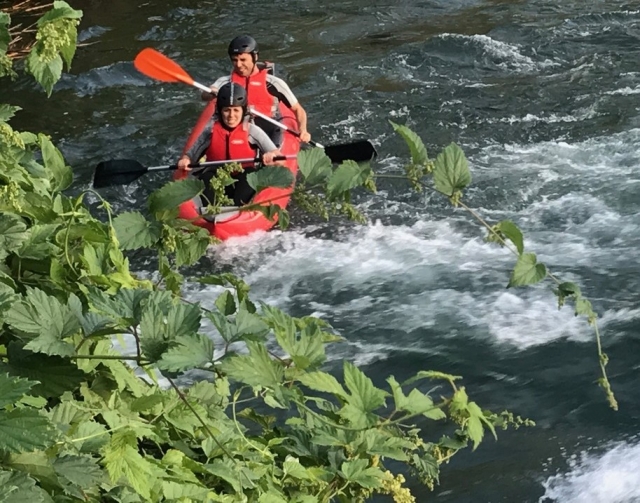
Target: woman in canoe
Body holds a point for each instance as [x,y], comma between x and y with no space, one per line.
[230,135]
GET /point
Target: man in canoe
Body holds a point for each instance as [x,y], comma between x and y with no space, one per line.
[264,90]
[229,135]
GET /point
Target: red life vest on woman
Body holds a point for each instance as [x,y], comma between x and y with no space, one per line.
[230,144]
[257,95]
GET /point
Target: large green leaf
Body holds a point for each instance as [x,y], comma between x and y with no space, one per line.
[127,304]
[192,247]
[364,395]
[38,245]
[512,233]
[314,165]
[25,430]
[416,147]
[12,389]
[255,369]
[321,381]
[44,317]
[13,232]
[6,111]
[359,472]
[134,231]
[451,170]
[61,10]
[54,162]
[82,472]
[122,460]
[56,375]
[270,176]
[527,271]
[305,347]
[188,352]
[173,194]
[347,176]
[18,487]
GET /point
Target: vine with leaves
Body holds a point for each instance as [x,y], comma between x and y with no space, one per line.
[84,421]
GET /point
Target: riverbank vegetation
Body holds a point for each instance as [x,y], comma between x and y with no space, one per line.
[264,421]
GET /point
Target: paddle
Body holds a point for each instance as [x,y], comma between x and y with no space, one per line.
[156,65]
[124,171]
[359,151]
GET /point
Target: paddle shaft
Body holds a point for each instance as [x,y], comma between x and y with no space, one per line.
[281,125]
[219,163]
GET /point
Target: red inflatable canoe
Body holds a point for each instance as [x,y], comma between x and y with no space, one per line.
[243,222]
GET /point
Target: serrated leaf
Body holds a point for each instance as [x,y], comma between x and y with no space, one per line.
[188,352]
[314,165]
[184,491]
[225,303]
[61,10]
[46,318]
[225,472]
[13,232]
[283,218]
[419,403]
[80,471]
[25,430]
[416,146]
[36,464]
[192,247]
[513,233]
[12,389]
[127,304]
[46,73]
[122,460]
[38,245]
[255,369]
[55,374]
[357,471]
[134,231]
[293,468]
[6,111]
[270,176]
[321,381]
[173,194]
[474,424]
[145,403]
[249,324]
[61,174]
[347,176]
[451,170]
[19,488]
[364,395]
[527,271]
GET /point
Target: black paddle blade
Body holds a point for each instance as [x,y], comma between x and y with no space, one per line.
[358,151]
[117,172]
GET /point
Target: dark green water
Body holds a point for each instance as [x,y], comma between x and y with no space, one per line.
[544,97]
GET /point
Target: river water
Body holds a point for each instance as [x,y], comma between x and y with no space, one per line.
[544,98]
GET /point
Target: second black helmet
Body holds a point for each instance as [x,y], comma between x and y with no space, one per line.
[231,95]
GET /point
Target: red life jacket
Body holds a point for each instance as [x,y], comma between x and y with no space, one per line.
[230,144]
[257,95]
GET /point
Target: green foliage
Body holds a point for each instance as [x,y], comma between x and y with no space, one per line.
[78,423]
[55,44]
[270,176]
[450,172]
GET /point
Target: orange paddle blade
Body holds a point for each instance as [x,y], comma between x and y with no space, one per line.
[156,65]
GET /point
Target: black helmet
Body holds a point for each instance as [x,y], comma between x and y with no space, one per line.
[232,95]
[244,44]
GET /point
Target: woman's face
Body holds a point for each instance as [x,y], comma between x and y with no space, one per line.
[232,116]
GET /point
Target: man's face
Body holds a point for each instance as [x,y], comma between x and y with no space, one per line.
[242,64]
